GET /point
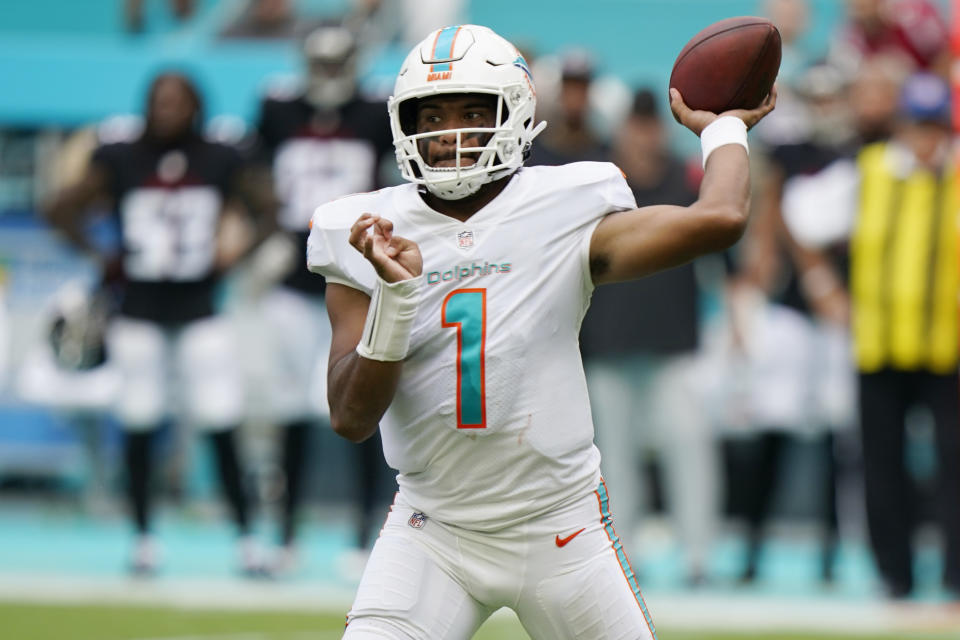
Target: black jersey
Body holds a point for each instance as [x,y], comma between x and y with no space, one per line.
[168,200]
[317,157]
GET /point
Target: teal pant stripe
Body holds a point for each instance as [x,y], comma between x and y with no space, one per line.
[622,555]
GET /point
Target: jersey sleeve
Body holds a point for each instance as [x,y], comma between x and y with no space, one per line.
[329,252]
[616,192]
[614,195]
[577,197]
[587,191]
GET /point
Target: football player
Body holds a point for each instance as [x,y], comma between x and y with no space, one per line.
[322,142]
[169,188]
[455,303]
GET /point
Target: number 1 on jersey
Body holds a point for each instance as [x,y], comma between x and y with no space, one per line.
[466,310]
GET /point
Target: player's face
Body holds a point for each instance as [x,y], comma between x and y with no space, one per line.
[171,109]
[460,111]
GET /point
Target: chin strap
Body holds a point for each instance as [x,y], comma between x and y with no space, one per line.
[537,130]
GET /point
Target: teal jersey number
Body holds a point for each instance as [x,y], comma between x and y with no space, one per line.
[466,310]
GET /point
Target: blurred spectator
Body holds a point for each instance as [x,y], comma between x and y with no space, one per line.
[792,18]
[180,10]
[644,398]
[912,30]
[874,97]
[169,188]
[786,123]
[569,136]
[401,22]
[801,382]
[321,142]
[900,203]
[265,19]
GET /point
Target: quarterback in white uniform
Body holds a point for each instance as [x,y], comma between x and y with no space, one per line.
[456,303]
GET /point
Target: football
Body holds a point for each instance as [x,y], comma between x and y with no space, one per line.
[729,65]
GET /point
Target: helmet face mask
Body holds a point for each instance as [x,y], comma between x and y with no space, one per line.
[464,60]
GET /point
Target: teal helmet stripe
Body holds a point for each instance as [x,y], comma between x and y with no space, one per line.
[443,48]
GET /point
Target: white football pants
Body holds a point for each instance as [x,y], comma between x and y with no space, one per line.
[192,368]
[565,575]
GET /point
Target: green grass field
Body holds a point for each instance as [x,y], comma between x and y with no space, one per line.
[76,622]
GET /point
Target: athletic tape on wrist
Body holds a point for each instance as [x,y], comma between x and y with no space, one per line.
[723,130]
[386,333]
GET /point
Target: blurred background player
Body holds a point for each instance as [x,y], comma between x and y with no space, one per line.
[899,203]
[570,136]
[169,188]
[642,388]
[322,141]
[793,321]
[873,97]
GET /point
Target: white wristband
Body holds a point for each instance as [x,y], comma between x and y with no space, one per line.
[723,130]
[393,306]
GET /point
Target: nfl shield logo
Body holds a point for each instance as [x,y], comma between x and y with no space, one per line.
[465,239]
[417,520]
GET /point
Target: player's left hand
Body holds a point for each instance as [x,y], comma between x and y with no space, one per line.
[395,258]
[697,121]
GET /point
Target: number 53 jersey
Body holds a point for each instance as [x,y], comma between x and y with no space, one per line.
[168,201]
[491,423]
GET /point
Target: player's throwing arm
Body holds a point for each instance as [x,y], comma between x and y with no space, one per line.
[632,244]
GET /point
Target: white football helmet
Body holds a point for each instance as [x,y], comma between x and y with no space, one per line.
[465,59]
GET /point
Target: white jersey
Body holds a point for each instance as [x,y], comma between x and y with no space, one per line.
[491,422]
